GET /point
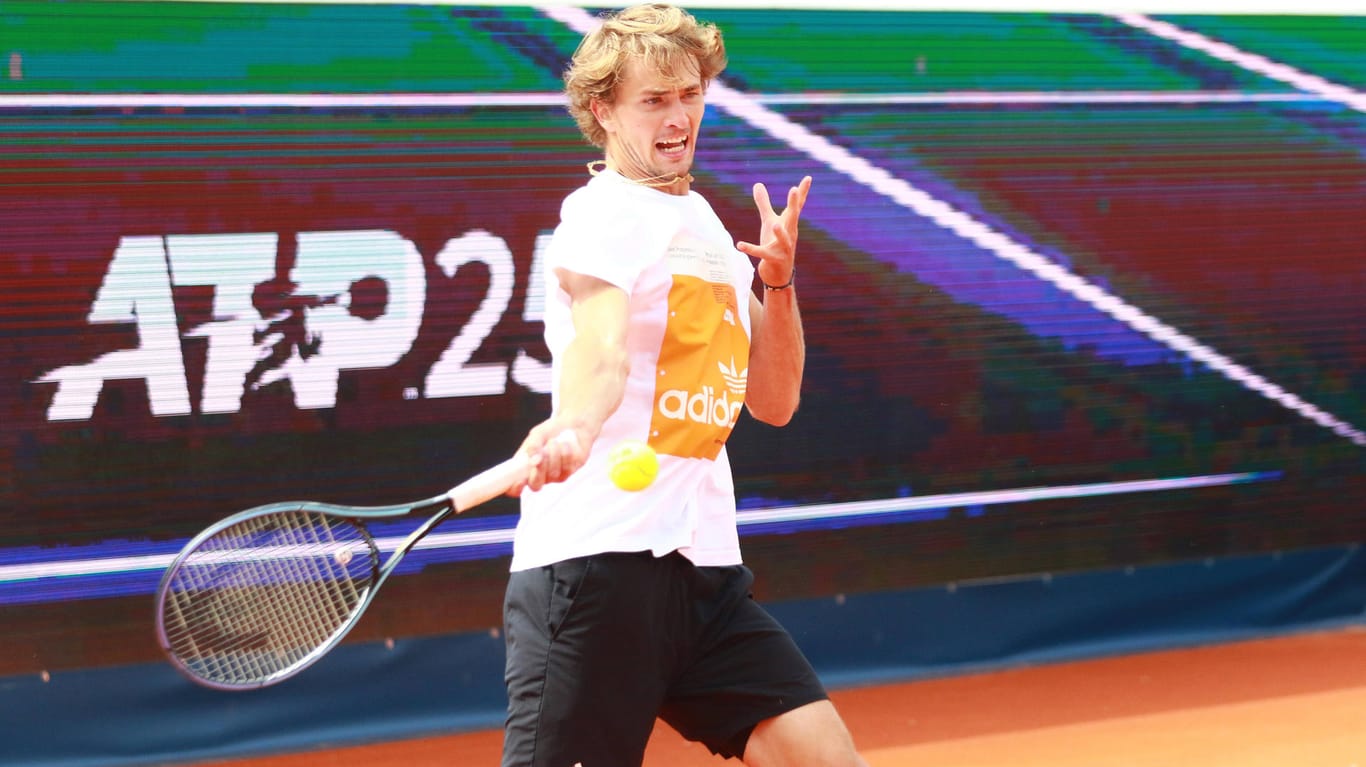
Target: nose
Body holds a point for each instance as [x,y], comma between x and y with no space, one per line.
[677,116]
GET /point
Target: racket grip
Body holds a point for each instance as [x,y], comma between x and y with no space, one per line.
[488,484]
[493,482]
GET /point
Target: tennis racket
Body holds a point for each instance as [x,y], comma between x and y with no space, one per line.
[265,593]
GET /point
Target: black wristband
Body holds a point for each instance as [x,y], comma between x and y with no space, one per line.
[790,278]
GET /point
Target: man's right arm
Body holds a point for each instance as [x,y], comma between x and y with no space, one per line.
[592,379]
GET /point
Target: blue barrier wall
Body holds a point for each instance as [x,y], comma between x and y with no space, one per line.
[147,714]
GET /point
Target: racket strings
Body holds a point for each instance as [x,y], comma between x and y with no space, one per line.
[259,597]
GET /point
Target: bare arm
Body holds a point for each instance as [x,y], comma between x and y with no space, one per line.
[592,379]
[778,347]
[777,358]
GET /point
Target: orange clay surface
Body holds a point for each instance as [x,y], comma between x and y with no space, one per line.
[1297,701]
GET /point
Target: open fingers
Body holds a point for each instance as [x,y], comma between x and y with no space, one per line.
[777,231]
[796,198]
[786,226]
[763,203]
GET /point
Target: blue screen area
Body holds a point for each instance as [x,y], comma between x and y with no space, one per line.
[1078,293]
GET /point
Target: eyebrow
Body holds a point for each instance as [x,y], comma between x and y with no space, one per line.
[652,91]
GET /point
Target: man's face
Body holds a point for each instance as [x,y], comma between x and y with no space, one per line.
[652,127]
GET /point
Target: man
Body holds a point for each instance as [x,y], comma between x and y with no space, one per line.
[626,606]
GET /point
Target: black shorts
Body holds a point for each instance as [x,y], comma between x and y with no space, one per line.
[600,646]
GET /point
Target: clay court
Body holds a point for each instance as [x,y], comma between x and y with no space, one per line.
[1296,701]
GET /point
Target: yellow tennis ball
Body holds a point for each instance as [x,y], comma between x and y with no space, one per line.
[632,465]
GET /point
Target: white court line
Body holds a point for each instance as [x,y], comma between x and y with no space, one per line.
[1322,7]
[950,98]
[904,194]
[1249,61]
[556,99]
[275,100]
[34,571]
[989,497]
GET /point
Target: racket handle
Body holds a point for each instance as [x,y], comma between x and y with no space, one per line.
[491,483]
[488,484]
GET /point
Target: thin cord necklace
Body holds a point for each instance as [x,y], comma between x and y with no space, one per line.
[598,166]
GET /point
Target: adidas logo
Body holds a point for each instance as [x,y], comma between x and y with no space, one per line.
[736,382]
[703,407]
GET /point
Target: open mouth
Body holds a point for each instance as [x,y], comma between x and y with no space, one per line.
[675,148]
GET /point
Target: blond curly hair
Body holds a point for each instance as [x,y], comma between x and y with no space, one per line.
[665,37]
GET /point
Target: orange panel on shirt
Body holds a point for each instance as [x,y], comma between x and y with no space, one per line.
[703,364]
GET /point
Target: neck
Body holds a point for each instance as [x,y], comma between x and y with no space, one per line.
[635,172]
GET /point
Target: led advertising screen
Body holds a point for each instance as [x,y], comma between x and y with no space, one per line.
[1080,291]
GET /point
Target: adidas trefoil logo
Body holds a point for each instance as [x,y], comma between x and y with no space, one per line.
[736,382]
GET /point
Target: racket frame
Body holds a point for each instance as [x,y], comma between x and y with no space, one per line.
[472,492]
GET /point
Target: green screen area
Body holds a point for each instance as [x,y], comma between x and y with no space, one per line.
[1332,47]
[150,47]
[232,47]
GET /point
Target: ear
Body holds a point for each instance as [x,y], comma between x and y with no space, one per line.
[604,114]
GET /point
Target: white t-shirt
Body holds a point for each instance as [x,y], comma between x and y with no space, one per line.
[688,345]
